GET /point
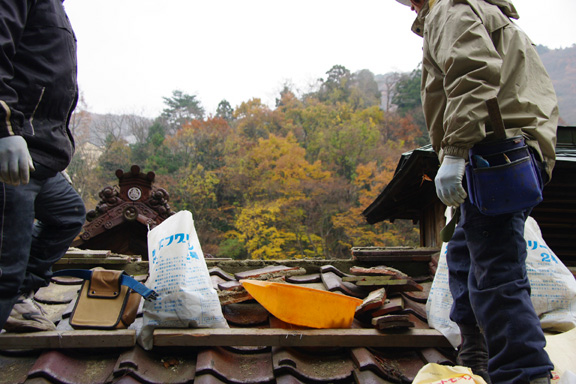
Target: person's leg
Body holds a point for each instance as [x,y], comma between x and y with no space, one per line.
[16,223]
[60,215]
[500,296]
[458,260]
[472,351]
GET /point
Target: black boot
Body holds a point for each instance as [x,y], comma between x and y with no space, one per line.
[473,352]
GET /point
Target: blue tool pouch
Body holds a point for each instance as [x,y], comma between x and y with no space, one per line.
[503,177]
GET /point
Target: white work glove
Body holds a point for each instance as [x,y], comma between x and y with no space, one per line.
[449,181]
[15,161]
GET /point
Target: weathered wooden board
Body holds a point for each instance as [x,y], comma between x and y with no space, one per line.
[415,338]
[68,339]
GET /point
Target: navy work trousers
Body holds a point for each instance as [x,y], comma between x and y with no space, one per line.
[38,222]
[487,275]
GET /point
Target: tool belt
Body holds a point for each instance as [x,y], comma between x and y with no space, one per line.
[503,177]
[108,299]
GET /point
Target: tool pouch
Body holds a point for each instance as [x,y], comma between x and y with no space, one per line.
[503,177]
[108,299]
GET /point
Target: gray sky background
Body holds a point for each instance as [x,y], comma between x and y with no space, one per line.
[131,53]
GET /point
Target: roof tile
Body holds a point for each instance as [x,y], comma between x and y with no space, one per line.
[234,367]
[156,367]
[15,368]
[74,367]
[322,366]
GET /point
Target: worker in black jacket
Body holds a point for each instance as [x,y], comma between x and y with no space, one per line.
[40,212]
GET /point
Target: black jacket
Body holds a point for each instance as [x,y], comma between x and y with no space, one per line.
[38,86]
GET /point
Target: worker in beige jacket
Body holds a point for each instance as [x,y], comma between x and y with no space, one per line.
[474,52]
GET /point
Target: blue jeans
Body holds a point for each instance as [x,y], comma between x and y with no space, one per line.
[487,274]
[38,222]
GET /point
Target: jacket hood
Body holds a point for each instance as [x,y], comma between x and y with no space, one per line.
[506,7]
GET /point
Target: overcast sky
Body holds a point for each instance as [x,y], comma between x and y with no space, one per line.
[131,53]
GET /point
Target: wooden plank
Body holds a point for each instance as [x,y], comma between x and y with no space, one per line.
[69,339]
[85,254]
[412,338]
[94,261]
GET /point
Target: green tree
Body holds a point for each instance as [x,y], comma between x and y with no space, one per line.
[364,91]
[336,88]
[180,109]
[407,99]
[225,111]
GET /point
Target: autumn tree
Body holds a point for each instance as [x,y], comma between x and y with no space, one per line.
[254,120]
[201,142]
[116,156]
[272,221]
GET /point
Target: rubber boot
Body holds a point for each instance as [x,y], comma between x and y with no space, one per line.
[473,352]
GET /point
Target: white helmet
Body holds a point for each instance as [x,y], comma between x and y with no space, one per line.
[405,2]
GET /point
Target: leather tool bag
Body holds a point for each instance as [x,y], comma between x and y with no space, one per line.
[108,299]
[502,175]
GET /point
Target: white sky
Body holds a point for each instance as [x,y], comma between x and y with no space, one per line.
[131,53]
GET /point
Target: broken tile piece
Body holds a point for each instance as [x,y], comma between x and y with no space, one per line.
[331,281]
[419,309]
[233,296]
[334,283]
[376,271]
[245,314]
[394,304]
[270,272]
[233,285]
[392,321]
[66,280]
[374,300]
[333,269]
[304,279]
[57,294]
[374,281]
[217,271]
[216,280]
[419,296]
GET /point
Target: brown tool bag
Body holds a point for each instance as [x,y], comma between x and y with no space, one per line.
[108,299]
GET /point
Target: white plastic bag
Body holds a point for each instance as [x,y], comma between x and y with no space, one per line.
[553,289]
[179,275]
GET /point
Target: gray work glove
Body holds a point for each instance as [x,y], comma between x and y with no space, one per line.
[15,161]
[449,181]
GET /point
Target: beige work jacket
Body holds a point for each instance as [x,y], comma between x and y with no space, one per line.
[473,52]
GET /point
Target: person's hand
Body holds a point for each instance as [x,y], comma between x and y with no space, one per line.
[15,161]
[449,181]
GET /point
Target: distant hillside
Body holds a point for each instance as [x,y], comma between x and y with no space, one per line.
[561,65]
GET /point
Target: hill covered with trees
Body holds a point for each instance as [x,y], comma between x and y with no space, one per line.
[266,183]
